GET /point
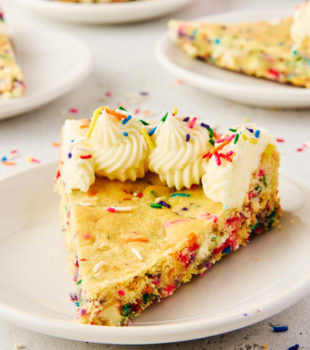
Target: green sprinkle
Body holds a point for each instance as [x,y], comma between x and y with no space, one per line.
[211,133]
[122,108]
[163,119]
[236,138]
[263,180]
[156,205]
[146,297]
[180,195]
[153,193]
[126,310]
[79,282]
[144,122]
[233,130]
[212,142]
[213,238]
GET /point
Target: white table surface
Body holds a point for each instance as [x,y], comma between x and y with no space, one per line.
[124,62]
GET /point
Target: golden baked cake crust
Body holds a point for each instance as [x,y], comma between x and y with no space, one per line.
[135,242]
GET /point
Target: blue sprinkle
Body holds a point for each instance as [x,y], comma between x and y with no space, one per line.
[217,41]
[164,204]
[227,250]
[151,132]
[184,208]
[3,159]
[144,93]
[77,304]
[186,119]
[245,314]
[280,329]
[294,347]
[225,206]
[250,130]
[188,136]
[69,155]
[207,126]
[294,52]
[126,120]
[125,133]
[72,141]
[257,133]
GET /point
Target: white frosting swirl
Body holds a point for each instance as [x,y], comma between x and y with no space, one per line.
[300,29]
[229,182]
[78,170]
[179,162]
[120,149]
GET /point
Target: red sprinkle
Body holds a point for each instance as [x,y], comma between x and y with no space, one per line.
[140,194]
[88,156]
[274,73]
[299,149]
[217,159]
[108,94]
[111,210]
[191,124]
[83,259]
[87,236]
[121,293]
[93,193]
[74,110]
[280,140]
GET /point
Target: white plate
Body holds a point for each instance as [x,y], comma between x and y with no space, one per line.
[53,64]
[260,280]
[231,85]
[105,13]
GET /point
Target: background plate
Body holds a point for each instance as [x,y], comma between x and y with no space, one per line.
[231,85]
[53,64]
[248,286]
[105,13]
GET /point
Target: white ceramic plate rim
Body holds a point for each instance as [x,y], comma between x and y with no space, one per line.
[30,102]
[136,10]
[156,333]
[299,94]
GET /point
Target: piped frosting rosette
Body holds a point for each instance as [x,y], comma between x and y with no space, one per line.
[179,146]
[78,170]
[119,146]
[236,156]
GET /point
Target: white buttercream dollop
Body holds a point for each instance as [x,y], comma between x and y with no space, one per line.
[120,148]
[300,29]
[78,169]
[179,162]
[229,182]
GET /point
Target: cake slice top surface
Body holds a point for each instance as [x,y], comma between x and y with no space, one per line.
[103,234]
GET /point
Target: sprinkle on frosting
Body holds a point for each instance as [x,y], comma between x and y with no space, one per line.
[137,253]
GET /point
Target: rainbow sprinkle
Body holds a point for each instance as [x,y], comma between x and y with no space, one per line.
[181,194]
[147,138]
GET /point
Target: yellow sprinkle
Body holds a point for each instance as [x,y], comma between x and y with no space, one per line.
[69,117]
[94,120]
[244,137]
[264,346]
[246,120]
[147,138]
[29,159]
[175,111]
[254,141]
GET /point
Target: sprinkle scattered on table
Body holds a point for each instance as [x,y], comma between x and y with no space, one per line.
[74,110]
[33,160]
[294,347]
[56,144]
[279,329]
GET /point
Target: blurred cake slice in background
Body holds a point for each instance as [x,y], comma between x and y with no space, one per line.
[277,49]
[11,77]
